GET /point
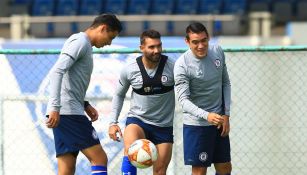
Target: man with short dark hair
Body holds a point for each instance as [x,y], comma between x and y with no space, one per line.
[69,80]
[203,88]
[152,102]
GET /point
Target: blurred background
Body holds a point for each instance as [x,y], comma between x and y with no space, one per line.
[255,22]
[266,54]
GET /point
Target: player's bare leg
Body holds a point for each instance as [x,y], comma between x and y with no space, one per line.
[223,168]
[66,164]
[197,170]
[132,133]
[164,158]
[96,155]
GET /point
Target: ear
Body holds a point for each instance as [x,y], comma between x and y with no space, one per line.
[103,27]
[187,41]
[141,47]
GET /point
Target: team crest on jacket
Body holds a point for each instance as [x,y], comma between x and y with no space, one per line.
[164,78]
[217,63]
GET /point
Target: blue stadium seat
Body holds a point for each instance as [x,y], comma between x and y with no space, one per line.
[210,6]
[260,5]
[186,6]
[91,7]
[234,7]
[42,8]
[66,7]
[116,6]
[162,7]
[138,7]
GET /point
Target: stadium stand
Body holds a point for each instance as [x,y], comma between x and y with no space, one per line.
[164,27]
[89,7]
[65,8]
[282,10]
[137,7]
[184,7]
[116,6]
[42,8]
[210,6]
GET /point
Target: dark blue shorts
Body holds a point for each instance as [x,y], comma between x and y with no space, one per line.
[74,133]
[203,145]
[153,133]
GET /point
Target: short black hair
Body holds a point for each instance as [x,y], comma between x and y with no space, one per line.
[196,27]
[108,19]
[149,34]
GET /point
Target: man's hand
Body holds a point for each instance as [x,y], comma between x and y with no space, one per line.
[114,130]
[91,112]
[53,120]
[215,119]
[225,126]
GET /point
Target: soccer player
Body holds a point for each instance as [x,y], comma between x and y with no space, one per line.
[69,80]
[203,88]
[152,102]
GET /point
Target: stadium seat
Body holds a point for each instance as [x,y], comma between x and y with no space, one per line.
[210,7]
[116,6]
[260,5]
[186,7]
[237,7]
[42,8]
[301,12]
[162,7]
[89,7]
[65,8]
[282,11]
[137,7]
[183,7]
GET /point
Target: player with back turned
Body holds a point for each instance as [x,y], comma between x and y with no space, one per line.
[152,102]
[203,88]
[69,80]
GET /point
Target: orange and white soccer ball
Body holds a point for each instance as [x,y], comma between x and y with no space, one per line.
[142,153]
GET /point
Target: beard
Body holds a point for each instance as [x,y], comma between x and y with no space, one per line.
[154,58]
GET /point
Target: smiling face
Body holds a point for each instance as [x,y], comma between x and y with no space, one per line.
[152,48]
[198,43]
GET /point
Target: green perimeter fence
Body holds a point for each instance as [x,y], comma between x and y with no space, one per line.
[268,112]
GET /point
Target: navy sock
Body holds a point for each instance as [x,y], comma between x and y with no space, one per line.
[127,167]
[225,174]
[99,170]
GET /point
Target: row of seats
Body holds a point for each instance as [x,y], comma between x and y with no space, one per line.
[282,10]
[93,7]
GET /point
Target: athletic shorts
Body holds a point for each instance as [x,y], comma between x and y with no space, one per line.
[203,145]
[153,133]
[74,133]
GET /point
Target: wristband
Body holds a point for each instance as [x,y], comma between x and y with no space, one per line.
[86,104]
